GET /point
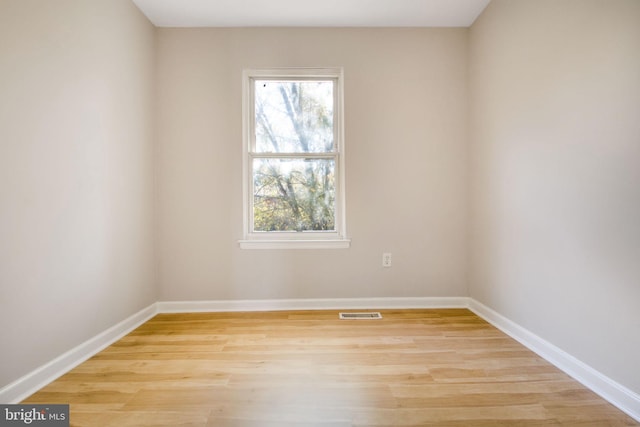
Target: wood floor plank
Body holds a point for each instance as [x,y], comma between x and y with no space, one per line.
[444,367]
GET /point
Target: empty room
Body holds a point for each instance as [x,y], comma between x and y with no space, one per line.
[330,214]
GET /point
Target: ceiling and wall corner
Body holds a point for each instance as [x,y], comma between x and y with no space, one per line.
[311,13]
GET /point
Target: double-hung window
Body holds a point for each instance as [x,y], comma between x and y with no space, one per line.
[294,191]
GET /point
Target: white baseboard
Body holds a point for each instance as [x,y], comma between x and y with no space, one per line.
[618,395]
[38,378]
[311,304]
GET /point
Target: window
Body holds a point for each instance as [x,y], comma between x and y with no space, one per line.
[293,159]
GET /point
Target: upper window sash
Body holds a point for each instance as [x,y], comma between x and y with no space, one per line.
[250,76]
[311,101]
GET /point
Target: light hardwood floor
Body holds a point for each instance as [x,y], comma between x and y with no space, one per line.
[307,368]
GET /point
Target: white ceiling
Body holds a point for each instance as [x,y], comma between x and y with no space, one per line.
[312,13]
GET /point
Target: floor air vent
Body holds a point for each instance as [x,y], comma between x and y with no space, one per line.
[375,315]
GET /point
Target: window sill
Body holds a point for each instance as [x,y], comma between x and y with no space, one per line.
[295,244]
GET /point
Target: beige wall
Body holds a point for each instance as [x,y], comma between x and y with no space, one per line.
[555,143]
[76,183]
[405,102]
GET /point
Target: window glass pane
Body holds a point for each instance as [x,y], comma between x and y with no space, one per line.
[294,116]
[294,194]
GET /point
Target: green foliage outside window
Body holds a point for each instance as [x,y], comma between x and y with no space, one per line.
[293,166]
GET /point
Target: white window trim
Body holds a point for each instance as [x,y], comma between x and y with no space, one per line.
[292,240]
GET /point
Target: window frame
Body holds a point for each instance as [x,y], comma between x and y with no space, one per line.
[292,239]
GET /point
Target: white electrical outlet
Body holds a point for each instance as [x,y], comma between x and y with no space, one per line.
[386,259]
